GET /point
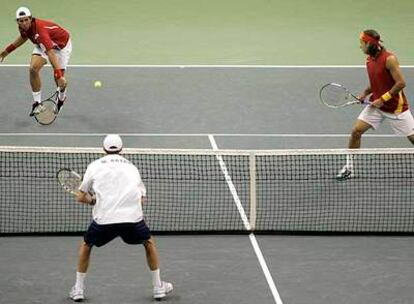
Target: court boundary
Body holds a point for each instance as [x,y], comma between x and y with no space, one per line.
[207,66]
[196,134]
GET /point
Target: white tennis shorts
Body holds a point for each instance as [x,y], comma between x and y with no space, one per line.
[63,55]
[402,124]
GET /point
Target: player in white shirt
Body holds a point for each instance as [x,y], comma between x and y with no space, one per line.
[117,212]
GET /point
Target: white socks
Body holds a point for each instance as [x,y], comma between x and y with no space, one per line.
[80,280]
[156,278]
[62,94]
[37,96]
[350,161]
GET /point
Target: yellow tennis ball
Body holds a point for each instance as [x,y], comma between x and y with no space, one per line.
[97,84]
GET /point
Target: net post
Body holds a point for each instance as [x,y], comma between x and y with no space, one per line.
[252,174]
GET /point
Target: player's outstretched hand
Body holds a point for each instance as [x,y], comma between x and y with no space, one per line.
[3,55]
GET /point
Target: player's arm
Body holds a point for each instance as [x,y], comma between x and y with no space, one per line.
[393,66]
[141,187]
[83,194]
[86,198]
[11,47]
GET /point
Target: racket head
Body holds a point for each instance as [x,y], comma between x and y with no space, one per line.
[46,112]
[69,180]
[335,95]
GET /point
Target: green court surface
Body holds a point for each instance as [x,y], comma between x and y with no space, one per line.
[233,32]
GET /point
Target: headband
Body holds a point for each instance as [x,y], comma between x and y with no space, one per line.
[367,38]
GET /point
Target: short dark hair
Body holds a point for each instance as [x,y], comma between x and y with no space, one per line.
[373,49]
[112,152]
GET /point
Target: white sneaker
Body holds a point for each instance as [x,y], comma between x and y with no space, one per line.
[345,173]
[161,291]
[76,294]
[39,109]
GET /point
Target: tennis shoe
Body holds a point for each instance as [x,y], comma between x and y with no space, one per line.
[76,294]
[60,103]
[34,110]
[161,291]
[344,174]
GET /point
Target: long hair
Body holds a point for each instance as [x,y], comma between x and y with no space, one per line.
[374,49]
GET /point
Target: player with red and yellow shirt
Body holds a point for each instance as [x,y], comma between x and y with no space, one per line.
[386,95]
[52,43]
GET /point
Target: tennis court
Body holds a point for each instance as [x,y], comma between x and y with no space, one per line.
[295,262]
[215,106]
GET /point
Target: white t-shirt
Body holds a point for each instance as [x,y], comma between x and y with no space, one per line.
[118,188]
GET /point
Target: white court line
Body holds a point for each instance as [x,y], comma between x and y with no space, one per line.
[207,66]
[195,135]
[252,237]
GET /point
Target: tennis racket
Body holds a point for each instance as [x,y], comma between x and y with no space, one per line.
[334,95]
[69,180]
[46,112]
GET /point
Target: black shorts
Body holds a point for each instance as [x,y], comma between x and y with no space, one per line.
[131,233]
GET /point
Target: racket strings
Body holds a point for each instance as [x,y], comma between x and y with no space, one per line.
[69,181]
[335,96]
[47,112]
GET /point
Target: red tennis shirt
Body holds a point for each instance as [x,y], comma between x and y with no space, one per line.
[381,82]
[47,34]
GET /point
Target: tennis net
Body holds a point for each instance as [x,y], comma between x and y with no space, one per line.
[220,191]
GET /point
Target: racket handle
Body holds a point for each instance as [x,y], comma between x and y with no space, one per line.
[363,101]
[74,192]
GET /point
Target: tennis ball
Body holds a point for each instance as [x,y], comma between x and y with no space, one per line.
[97,84]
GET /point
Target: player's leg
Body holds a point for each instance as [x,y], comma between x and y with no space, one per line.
[161,288]
[403,125]
[358,129]
[139,233]
[77,292]
[84,257]
[36,64]
[409,125]
[63,58]
[96,235]
[152,256]
[370,117]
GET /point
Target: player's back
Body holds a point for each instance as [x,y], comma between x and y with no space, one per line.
[118,187]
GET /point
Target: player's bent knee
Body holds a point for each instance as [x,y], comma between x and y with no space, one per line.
[357,133]
[148,243]
[35,69]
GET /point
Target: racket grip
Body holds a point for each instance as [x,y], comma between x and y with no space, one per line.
[361,101]
[74,192]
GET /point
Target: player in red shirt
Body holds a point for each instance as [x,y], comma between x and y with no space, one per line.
[52,43]
[387,98]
